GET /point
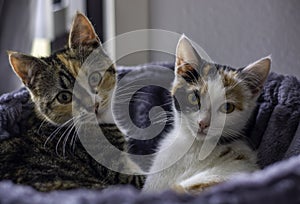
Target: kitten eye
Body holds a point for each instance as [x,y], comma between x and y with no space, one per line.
[94,79]
[64,97]
[227,108]
[193,99]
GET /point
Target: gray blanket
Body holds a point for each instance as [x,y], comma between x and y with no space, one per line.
[274,131]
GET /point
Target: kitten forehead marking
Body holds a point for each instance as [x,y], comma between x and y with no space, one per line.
[229,78]
[72,65]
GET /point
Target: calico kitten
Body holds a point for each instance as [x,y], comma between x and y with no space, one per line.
[33,157]
[199,108]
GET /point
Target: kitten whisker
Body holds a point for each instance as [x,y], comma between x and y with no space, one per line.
[44,121]
[163,120]
[56,131]
[163,113]
[134,94]
[122,101]
[132,91]
[134,99]
[77,126]
[63,135]
[129,85]
[167,103]
[166,122]
[70,126]
[73,131]
[74,137]
[66,137]
[229,133]
[234,132]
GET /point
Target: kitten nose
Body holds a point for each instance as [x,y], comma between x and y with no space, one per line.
[203,124]
[96,107]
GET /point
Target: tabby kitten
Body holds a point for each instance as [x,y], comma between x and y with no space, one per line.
[33,157]
[199,109]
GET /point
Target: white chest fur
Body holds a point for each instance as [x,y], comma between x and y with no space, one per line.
[222,163]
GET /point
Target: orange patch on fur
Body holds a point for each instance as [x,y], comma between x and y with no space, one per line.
[234,90]
[198,188]
[183,67]
[108,82]
[204,89]
[206,69]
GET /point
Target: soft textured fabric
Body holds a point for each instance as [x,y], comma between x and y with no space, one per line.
[277,184]
[273,130]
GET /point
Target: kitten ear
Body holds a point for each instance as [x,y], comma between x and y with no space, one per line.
[24,66]
[256,74]
[187,58]
[82,33]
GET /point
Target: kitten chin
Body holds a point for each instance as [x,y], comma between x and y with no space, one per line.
[202,135]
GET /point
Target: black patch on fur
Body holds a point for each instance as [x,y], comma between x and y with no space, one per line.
[182,103]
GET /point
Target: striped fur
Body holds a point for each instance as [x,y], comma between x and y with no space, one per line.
[72,84]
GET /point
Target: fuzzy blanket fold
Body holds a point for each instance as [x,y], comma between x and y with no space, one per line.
[274,131]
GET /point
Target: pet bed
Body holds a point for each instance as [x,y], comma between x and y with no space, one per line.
[274,131]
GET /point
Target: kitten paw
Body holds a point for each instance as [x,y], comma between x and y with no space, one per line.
[179,189]
[193,189]
[197,188]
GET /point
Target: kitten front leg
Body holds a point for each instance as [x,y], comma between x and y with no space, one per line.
[193,189]
[213,176]
[198,183]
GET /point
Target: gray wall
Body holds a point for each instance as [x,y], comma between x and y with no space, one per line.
[131,15]
[236,32]
[16,34]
